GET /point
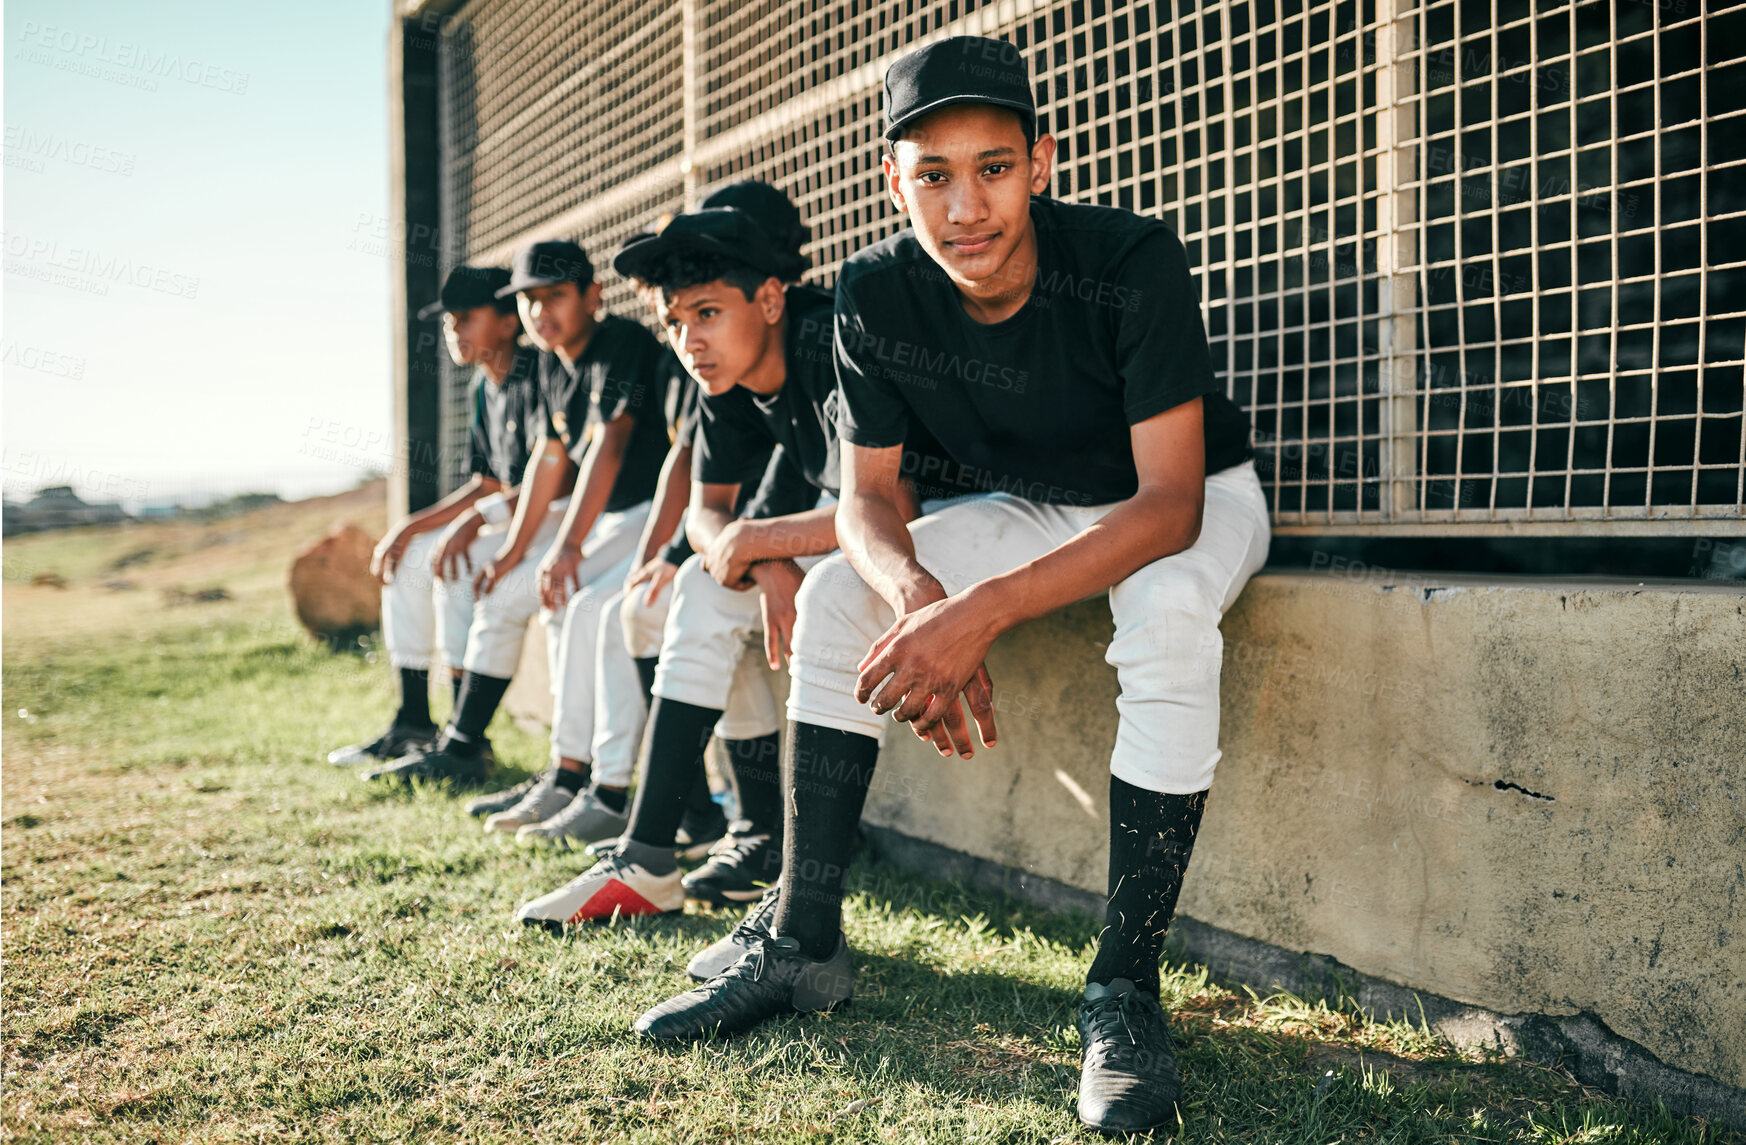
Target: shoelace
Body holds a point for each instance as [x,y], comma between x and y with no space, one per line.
[752,967]
[732,850]
[575,809]
[610,863]
[528,789]
[759,920]
[1109,1020]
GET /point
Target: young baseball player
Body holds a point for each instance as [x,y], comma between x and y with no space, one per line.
[761,353]
[426,606]
[628,643]
[601,398]
[1057,353]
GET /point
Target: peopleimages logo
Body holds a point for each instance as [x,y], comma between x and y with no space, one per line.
[92,271]
[32,150]
[103,58]
[1094,290]
[934,362]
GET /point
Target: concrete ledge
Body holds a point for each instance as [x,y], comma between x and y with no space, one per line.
[1581,1043]
[1519,798]
[1525,796]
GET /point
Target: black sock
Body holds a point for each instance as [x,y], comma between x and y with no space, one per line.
[1151,836]
[613,798]
[414,699]
[757,766]
[480,695]
[826,774]
[571,780]
[703,815]
[455,679]
[678,733]
[646,673]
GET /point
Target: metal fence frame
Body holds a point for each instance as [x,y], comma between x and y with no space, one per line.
[1345,238]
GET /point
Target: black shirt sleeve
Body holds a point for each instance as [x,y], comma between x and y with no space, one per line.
[479,439]
[686,434]
[870,410]
[679,549]
[632,380]
[1160,340]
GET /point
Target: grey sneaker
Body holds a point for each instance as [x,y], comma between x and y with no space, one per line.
[505,799]
[719,955]
[542,801]
[585,819]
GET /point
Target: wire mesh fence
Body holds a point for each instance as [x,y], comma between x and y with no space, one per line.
[1471,267]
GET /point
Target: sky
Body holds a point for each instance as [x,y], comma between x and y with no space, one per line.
[196,289]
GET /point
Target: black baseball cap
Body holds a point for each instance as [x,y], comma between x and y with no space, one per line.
[961,69]
[548,263]
[775,212]
[467,288]
[727,232]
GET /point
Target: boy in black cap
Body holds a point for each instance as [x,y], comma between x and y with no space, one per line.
[426,603]
[602,395]
[1057,353]
[760,351]
[629,645]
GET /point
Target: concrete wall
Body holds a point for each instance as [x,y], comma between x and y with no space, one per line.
[1525,797]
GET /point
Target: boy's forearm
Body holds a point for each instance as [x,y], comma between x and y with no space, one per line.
[795,535]
[870,527]
[545,472]
[433,517]
[670,498]
[600,467]
[704,523]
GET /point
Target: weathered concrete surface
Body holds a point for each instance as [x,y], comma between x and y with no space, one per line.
[1528,797]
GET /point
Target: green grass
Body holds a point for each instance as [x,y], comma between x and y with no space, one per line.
[211,936]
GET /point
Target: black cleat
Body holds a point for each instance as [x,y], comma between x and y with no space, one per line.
[437,762]
[1129,1082]
[740,868]
[390,745]
[723,953]
[698,833]
[772,978]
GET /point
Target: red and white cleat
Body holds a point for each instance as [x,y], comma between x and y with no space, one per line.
[612,886]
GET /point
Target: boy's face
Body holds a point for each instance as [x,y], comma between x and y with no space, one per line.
[476,334]
[718,332]
[965,179]
[554,316]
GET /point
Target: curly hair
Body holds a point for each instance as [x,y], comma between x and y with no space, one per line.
[678,270]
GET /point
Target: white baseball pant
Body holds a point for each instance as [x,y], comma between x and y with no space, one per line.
[573,633]
[499,619]
[422,615]
[1167,649]
[631,630]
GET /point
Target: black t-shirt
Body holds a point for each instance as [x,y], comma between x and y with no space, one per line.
[506,419]
[782,489]
[736,430]
[1038,405]
[619,374]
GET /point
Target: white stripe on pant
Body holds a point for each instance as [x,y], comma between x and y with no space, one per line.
[1167,650]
